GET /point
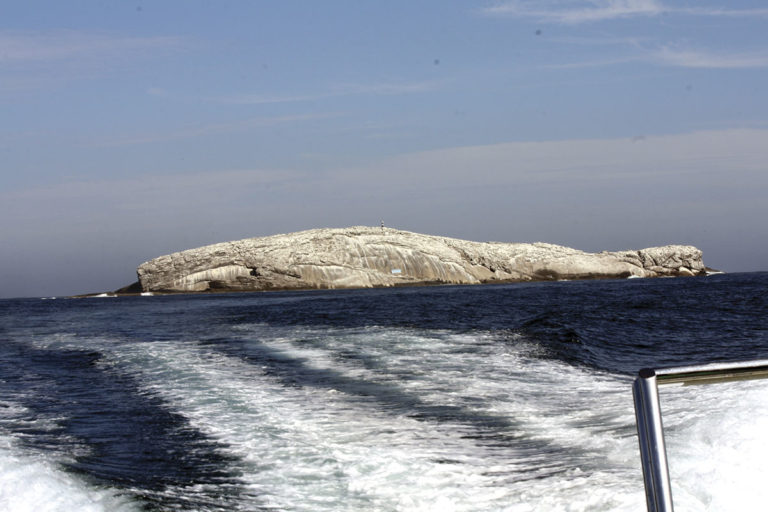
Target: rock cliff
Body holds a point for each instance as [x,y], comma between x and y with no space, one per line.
[361,257]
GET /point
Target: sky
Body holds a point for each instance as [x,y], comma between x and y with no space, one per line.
[130,130]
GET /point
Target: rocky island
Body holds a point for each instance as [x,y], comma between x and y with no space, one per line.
[363,257]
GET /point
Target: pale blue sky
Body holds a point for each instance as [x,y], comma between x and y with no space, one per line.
[129,130]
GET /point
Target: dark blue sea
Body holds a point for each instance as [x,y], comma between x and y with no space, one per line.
[452,398]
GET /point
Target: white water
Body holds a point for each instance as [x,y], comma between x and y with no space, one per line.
[717,445]
[36,483]
[570,444]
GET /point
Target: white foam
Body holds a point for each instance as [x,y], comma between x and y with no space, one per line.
[318,448]
[309,450]
[716,445]
[579,411]
[35,484]
[571,445]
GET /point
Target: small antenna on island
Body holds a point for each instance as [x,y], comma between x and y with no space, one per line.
[382,226]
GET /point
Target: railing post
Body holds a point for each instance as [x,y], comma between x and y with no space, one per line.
[650,433]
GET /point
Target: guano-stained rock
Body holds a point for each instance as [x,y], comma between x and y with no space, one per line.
[362,257]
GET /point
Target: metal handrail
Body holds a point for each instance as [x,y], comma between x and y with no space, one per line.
[650,430]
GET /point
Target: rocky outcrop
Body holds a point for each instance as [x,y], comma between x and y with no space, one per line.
[361,257]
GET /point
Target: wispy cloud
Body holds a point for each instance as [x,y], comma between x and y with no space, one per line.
[596,63]
[207,129]
[599,41]
[633,50]
[572,12]
[676,57]
[588,11]
[700,59]
[720,12]
[20,47]
[347,89]
[267,99]
[31,61]
[384,88]
[635,160]
[680,157]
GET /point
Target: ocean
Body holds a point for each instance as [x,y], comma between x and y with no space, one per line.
[447,398]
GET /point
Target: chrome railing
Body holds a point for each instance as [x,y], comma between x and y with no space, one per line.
[650,431]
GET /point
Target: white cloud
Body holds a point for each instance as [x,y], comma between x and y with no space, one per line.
[573,12]
[347,89]
[719,12]
[35,61]
[672,159]
[699,59]
[676,57]
[599,41]
[386,88]
[64,205]
[587,11]
[267,99]
[629,49]
[20,47]
[199,130]
[597,63]
[663,160]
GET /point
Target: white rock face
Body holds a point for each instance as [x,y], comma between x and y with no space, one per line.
[362,257]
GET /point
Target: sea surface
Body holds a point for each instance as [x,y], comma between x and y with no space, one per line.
[452,398]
